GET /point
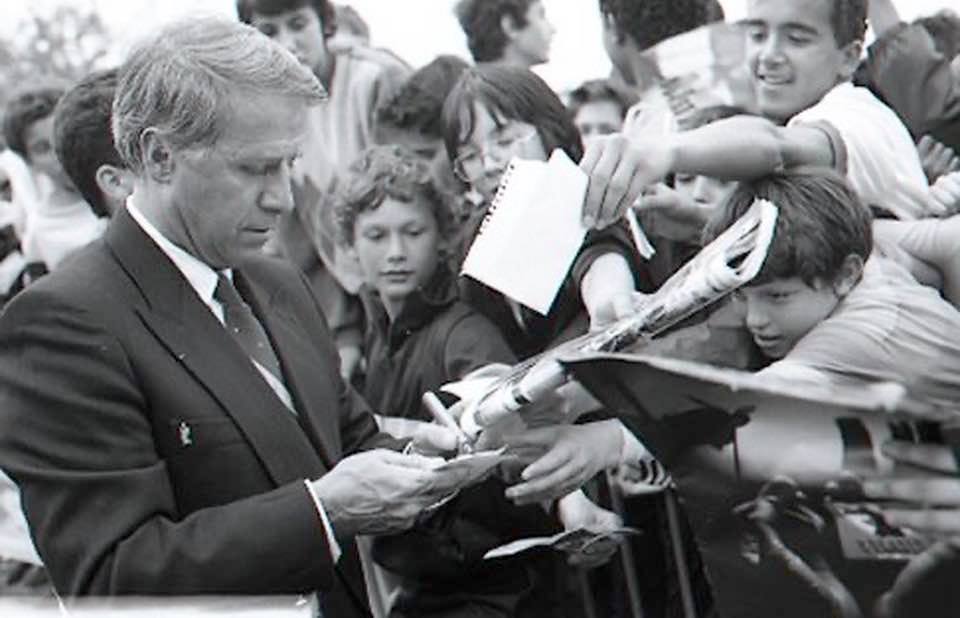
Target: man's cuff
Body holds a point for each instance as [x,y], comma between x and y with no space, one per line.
[335,551]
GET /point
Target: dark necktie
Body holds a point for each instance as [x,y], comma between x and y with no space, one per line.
[245,328]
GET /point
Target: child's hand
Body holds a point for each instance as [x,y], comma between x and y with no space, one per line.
[577,511]
[937,159]
[426,438]
[946,193]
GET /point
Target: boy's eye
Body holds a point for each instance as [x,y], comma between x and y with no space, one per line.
[268,29]
[297,23]
[683,179]
[373,235]
[414,231]
[779,296]
[756,33]
[798,39]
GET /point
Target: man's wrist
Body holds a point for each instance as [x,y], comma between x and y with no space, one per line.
[332,543]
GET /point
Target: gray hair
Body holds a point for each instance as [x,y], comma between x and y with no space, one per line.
[180,80]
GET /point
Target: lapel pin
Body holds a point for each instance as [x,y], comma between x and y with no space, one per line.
[185,433]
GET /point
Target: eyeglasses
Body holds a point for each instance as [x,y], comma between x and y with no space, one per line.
[469,164]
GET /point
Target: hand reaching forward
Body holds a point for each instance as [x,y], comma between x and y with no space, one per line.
[576,511]
[618,172]
[382,491]
[564,458]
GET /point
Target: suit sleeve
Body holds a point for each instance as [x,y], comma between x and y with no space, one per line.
[75,435]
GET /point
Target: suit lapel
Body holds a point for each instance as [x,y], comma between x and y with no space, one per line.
[191,333]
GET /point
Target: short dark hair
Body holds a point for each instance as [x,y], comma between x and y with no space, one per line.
[516,94]
[396,172]
[821,222]
[648,22]
[595,90]
[480,20]
[418,103]
[323,8]
[24,109]
[82,137]
[849,21]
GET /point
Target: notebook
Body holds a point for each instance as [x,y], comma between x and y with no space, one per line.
[532,232]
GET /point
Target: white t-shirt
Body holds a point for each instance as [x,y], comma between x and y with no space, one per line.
[54,232]
[874,150]
[888,328]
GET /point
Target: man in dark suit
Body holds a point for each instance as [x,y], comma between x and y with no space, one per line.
[166,440]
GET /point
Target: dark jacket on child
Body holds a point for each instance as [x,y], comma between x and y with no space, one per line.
[438,339]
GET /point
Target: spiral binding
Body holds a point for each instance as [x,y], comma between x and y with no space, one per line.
[498,196]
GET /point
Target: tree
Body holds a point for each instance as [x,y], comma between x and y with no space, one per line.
[60,45]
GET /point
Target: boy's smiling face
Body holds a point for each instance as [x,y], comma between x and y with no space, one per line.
[397,245]
[781,312]
[793,54]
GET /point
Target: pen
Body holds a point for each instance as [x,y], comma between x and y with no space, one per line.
[640,240]
[439,412]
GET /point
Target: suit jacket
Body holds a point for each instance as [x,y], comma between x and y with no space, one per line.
[152,456]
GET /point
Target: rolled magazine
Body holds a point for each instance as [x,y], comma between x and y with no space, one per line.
[730,261]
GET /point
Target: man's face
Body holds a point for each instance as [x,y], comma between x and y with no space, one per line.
[224,200]
[301,32]
[598,118]
[793,54]
[397,246]
[38,138]
[781,312]
[533,41]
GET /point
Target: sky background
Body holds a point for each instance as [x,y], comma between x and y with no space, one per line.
[417,30]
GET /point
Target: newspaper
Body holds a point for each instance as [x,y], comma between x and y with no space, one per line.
[730,261]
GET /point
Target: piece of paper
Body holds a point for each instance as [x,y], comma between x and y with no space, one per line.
[474,467]
[533,231]
[570,541]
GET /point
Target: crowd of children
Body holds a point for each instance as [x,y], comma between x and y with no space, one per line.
[857,146]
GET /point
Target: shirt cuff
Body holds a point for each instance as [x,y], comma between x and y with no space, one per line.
[632,451]
[335,551]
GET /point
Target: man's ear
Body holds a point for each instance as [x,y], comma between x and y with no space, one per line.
[114,182]
[851,59]
[849,276]
[157,156]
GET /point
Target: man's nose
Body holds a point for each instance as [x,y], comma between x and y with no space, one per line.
[278,193]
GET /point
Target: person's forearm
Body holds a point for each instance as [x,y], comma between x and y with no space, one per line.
[746,147]
[883,16]
[609,276]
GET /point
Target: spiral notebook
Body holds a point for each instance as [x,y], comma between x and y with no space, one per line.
[532,232]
